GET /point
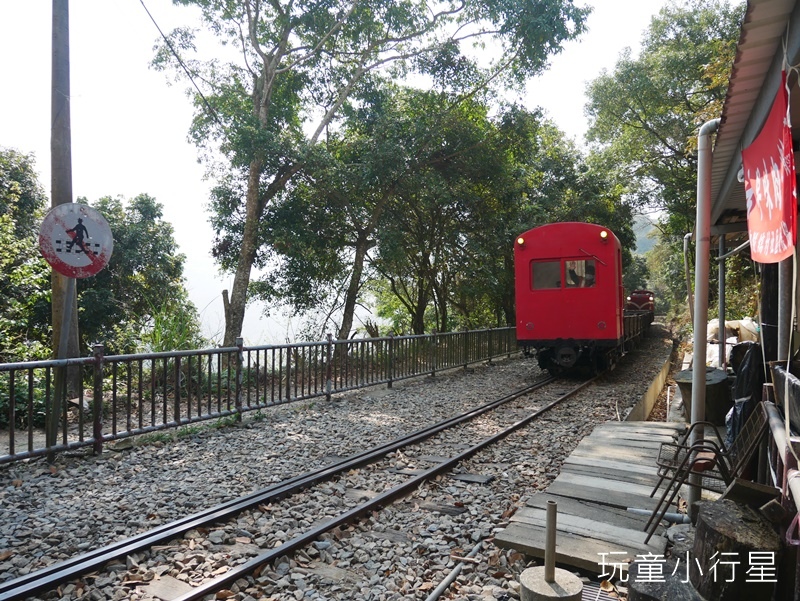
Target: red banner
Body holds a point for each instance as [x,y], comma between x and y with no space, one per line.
[770,186]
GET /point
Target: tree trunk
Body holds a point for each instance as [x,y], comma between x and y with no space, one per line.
[507,300]
[351,297]
[733,537]
[420,304]
[234,310]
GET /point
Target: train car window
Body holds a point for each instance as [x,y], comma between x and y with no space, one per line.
[546,275]
[580,274]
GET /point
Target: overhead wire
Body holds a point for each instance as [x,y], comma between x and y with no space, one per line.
[183,66]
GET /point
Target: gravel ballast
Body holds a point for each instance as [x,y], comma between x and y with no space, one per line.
[51,513]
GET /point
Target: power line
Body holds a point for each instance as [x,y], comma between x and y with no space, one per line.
[185,68]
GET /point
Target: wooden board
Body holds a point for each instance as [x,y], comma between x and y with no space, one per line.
[571,550]
[609,471]
[648,427]
[578,469]
[588,509]
[620,485]
[602,495]
[623,467]
[598,449]
[588,528]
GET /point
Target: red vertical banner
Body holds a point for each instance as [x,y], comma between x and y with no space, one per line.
[770,186]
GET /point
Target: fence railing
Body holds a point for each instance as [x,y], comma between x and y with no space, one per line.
[136,394]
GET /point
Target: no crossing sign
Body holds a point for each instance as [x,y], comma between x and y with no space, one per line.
[76,240]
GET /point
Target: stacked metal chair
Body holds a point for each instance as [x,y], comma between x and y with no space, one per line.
[715,464]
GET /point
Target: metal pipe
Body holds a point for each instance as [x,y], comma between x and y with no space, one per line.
[550,543]
[672,518]
[701,272]
[723,345]
[778,430]
[689,295]
[445,584]
[669,391]
[736,250]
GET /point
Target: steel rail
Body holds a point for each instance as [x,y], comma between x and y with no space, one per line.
[399,491]
[49,577]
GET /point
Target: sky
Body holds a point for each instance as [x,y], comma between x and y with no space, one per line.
[130,125]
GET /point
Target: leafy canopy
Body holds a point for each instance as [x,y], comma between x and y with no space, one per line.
[302,64]
[645,114]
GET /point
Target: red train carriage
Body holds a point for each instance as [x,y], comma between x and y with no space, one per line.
[569,296]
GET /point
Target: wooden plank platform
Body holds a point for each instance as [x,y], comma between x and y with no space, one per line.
[610,470]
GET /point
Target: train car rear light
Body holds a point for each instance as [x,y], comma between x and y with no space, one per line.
[629,298]
[652,298]
[521,241]
[601,325]
[604,235]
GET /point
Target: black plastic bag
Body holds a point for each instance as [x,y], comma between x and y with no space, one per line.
[747,387]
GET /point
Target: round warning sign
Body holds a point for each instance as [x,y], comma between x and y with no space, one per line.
[76,240]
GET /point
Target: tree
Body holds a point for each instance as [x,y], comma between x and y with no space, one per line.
[544,178]
[301,63]
[422,242]
[646,113]
[143,280]
[128,305]
[25,282]
[21,195]
[636,275]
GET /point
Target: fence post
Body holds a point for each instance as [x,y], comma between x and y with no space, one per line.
[288,373]
[329,369]
[391,360]
[466,348]
[239,376]
[98,351]
[489,345]
[176,403]
[434,351]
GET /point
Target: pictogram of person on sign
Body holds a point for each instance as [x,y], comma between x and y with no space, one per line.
[80,231]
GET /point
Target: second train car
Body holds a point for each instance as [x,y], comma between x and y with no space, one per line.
[570,299]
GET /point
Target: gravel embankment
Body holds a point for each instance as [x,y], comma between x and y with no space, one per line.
[51,513]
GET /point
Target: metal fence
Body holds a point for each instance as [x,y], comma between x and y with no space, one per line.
[126,395]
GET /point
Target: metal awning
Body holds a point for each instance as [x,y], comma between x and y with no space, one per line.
[754,80]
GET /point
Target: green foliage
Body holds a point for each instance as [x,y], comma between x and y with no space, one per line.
[636,275]
[645,117]
[741,288]
[433,191]
[303,66]
[21,196]
[38,404]
[25,282]
[139,300]
[174,325]
[646,113]
[668,277]
[122,306]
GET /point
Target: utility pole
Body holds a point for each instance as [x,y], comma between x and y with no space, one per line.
[63,292]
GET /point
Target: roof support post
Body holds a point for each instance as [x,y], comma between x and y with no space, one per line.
[723,344]
[701,273]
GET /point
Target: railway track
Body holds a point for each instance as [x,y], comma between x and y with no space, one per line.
[49,578]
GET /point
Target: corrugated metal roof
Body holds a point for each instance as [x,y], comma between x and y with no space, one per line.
[753,82]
